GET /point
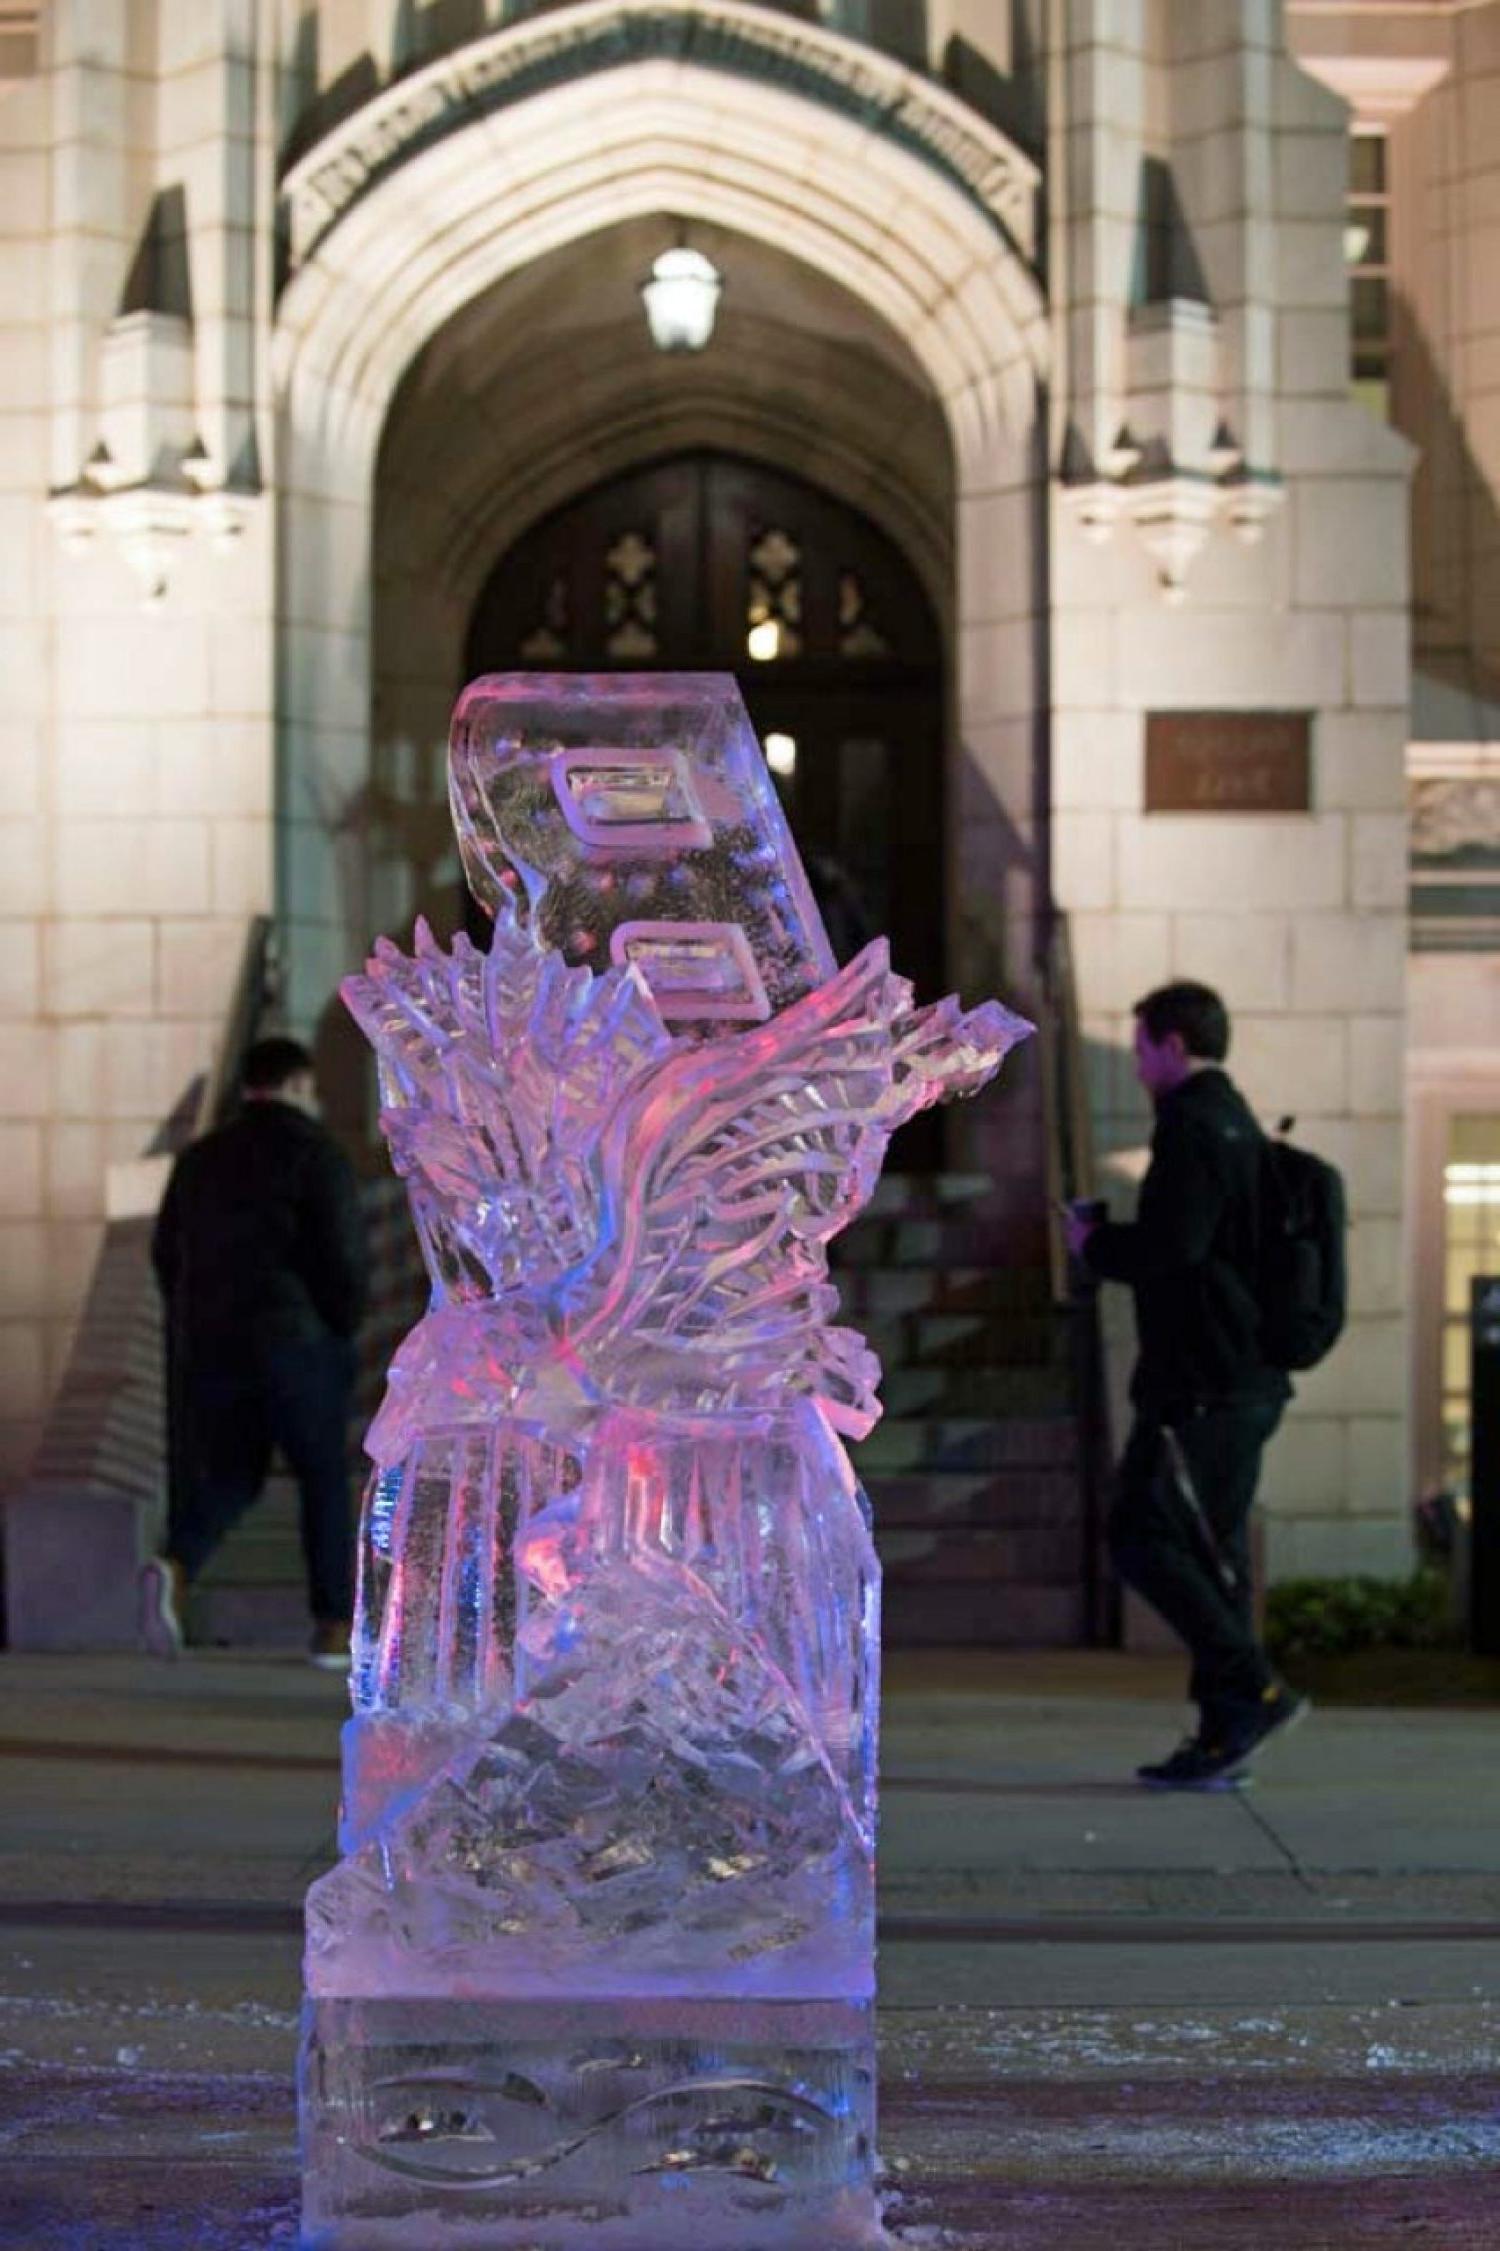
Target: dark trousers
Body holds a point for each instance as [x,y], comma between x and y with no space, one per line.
[1195,1573]
[295,1396]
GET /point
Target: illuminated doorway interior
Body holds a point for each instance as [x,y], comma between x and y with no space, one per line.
[1471,1246]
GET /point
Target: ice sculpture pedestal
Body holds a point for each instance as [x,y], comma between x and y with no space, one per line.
[629,2125]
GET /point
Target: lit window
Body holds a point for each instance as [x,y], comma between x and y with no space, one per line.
[774,595]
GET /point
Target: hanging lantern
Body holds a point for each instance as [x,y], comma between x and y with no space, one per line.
[682,300]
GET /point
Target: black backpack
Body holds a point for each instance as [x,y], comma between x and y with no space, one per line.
[1303,1280]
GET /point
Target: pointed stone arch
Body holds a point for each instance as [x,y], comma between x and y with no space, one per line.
[449,206]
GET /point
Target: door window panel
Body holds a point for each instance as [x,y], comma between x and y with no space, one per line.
[547,642]
[773,601]
[705,562]
[859,636]
[630,599]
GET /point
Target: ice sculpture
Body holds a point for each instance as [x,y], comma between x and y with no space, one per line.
[597,1964]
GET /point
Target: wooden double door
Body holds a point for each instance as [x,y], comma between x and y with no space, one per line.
[709,563]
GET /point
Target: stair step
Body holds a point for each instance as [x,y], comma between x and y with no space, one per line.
[928,1195]
[964,1442]
[1015,1498]
[873,1291]
[972,1475]
[971,1612]
[948,1394]
[236,1616]
[253,1593]
[978,1238]
[1026,1556]
[960,1340]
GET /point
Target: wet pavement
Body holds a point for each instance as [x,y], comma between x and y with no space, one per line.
[1268,2020]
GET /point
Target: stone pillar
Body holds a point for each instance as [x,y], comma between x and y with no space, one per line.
[1250,559]
[28,1337]
[1435,87]
[137,753]
[324,599]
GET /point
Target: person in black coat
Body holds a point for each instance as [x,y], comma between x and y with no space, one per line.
[1206,1398]
[260,1252]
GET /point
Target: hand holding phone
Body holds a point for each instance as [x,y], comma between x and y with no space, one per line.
[1080,1218]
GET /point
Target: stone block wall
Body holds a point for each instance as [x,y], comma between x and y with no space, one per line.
[34,1176]
[1225,532]
[135,623]
[1428,79]
[1166,600]
[1444,163]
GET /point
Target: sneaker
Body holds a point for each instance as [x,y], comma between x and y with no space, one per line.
[161,1591]
[1280,1710]
[1196,1764]
[330,1646]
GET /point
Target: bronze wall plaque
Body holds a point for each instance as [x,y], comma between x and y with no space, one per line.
[1228,762]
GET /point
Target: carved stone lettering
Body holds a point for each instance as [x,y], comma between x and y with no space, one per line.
[719,34]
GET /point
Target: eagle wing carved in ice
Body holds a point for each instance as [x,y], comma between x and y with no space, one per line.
[733,1164]
[498,1072]
[616,1216]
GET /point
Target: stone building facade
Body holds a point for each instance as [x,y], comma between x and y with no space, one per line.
[314,311]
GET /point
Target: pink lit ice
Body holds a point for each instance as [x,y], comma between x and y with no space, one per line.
[616,1668]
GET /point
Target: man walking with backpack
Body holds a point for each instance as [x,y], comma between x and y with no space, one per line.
[1210,1383]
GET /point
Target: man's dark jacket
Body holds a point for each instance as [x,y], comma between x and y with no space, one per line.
[260,1239]
[1191,1254]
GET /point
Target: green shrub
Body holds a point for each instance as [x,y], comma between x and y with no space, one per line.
[1334,1617]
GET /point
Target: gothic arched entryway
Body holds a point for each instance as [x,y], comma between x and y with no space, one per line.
[709,563]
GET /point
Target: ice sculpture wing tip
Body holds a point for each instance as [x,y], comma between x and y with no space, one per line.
[998,1025]
[990,1032]
[357,992]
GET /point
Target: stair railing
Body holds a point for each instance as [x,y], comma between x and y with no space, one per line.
[1070,1173]
[255,988]
[93,1501]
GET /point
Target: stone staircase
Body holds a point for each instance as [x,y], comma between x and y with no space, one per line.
[973,1473]
[252,1593]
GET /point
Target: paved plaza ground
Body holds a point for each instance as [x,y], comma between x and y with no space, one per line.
[1266,2022]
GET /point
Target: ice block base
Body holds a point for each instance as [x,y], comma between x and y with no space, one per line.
[613,2125]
